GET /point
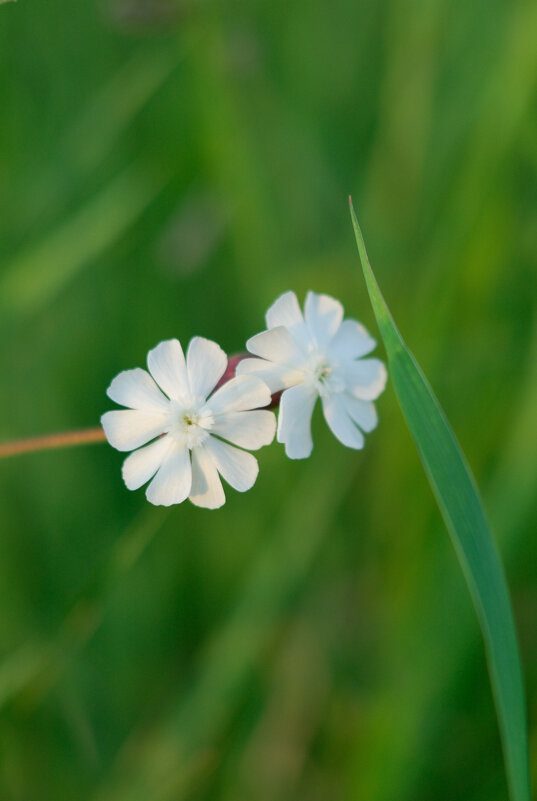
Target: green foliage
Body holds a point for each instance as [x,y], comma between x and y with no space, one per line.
[167,169]
[462,509]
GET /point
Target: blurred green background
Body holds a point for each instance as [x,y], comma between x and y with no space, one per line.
[167,169]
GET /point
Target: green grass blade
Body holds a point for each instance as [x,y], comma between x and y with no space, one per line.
[462,510]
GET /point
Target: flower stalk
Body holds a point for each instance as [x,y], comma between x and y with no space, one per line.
[62,439]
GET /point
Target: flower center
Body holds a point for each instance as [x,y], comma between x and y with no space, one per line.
[190,426]
[321,377]
[322,374]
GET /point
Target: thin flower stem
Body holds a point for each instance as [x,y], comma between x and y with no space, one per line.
[64,439]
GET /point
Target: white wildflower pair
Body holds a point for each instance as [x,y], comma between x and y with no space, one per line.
[193,429]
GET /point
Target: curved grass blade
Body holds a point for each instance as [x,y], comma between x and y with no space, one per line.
[462,510]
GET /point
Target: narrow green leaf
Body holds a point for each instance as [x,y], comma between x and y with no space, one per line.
[462,510]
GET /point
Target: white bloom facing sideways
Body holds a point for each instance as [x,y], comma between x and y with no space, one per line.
[311,355]
[188,428]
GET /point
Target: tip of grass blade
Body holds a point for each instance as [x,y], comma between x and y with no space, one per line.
[383,316]
[364,259]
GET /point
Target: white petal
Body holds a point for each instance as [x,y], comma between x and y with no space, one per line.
[362,412]
[242,392]
[129,428]
[340,423]
[277,345]
[207,490]
[351,341]
[250,430]
[173,480]
[167,365]
[284,311]
[141,465]
[237,467]
[365,378]
[294,420]
[206,364]
[323,316]
[137,390]
[275,376]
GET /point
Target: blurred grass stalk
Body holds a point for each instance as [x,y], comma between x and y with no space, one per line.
[38,273]
[461,507]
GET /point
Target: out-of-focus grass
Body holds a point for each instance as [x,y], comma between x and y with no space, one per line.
[167,172]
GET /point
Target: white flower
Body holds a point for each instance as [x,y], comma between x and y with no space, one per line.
[186,424]
[312,355]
